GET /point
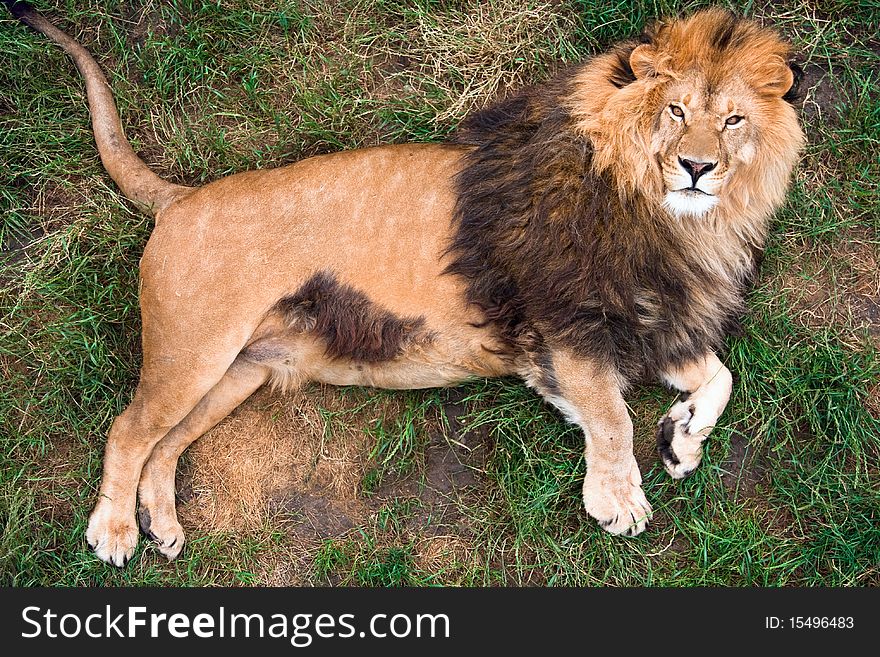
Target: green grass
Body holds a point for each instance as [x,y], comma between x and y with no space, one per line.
[207,89]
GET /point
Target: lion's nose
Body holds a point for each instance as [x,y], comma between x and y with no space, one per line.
[695,168]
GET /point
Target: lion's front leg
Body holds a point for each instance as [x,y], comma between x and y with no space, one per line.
[706,385]
[589,395]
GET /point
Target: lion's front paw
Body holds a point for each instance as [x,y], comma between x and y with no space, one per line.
[113,539]
[164,531]
[619,504]
[680,450]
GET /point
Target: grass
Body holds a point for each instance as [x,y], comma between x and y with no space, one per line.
[788,493]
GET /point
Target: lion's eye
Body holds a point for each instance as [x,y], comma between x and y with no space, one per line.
[677,112]
[733,120]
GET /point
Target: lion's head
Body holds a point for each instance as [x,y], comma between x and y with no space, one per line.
[697,117]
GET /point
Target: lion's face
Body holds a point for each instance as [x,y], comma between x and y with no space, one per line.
[702,137]
[696,118]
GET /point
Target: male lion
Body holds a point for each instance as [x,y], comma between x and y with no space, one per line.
[582,234]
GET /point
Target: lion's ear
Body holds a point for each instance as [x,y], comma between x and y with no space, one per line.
[793,94]
[642,61]
[778,77]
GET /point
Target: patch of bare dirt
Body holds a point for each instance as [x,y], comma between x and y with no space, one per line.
[144,21]
[275,462]
[268,454]
[55,201]
[52,478]
[743,469]
[820,98]
[452,466]
[14,249]
[840,288]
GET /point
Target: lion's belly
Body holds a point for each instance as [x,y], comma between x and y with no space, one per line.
[428,357]
[424,368]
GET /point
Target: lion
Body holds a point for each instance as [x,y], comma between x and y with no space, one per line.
[583,234]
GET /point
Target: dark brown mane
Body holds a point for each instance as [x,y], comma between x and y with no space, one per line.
[556,256]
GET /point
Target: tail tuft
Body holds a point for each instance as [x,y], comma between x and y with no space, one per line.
[18,8]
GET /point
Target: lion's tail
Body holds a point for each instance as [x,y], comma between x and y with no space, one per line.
[140,185]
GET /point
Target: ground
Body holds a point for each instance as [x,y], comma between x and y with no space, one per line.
[477,485]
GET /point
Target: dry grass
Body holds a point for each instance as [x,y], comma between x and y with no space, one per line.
[274,448]
[296,463]
[475,53]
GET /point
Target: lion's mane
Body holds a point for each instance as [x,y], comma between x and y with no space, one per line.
[563,252]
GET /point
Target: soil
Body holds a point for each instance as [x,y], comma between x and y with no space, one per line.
[272,462]
[145,21]
[743,469]
[820,98]
[837,285]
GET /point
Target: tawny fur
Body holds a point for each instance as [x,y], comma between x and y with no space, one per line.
[562,239]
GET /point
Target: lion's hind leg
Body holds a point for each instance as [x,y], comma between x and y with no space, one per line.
[156,408]
[157,514]
[706,385]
